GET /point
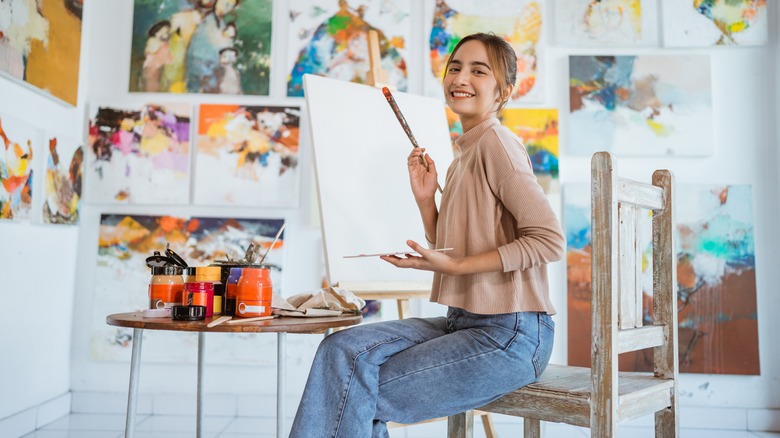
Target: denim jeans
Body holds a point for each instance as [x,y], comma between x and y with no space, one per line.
[416,369]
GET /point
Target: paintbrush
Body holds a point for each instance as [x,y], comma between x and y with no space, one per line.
[279,233]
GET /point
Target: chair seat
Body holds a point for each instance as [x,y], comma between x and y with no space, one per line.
[562,395]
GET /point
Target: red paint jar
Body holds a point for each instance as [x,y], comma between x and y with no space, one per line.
[199,293]
[254,293]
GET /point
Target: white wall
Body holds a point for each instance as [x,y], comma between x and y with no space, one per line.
[746,152]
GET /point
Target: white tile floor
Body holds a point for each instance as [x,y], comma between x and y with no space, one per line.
[173,426]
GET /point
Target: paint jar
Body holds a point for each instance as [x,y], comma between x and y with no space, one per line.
[254,293]
[166,287]
[199,293]
[213,275]
[231,291]
[189,274]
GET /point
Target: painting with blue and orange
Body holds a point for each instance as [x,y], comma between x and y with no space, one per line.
[121,276]
[538,131]
[247,155]
[63,182]
[520,26]
[330,38]
[201,46]
[40,43]
[715,22]
[139,155]
[641,105]
[716,280]
[20,140]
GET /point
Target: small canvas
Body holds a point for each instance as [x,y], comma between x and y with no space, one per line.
[330,38]
[538,131]
[247,156]
[519,22]
[59,200]
[641,105]
[606,23]
[704,23]
[139,155]
[221,46]
[21,142]
[40,44]
[122,278]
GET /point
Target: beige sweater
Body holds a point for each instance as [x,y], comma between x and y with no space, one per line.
[492,201]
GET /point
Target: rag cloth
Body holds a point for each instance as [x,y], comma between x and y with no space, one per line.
[329,301]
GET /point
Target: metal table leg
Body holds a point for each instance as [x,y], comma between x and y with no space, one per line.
[281,380]
[132,392]
[199,414]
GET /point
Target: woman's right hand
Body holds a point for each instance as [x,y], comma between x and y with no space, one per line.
[423,181]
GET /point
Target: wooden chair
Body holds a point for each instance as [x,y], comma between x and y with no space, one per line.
[600,397]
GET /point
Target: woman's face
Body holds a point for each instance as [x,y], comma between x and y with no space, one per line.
[470,86]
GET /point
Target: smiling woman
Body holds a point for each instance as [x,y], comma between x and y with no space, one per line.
[498,331]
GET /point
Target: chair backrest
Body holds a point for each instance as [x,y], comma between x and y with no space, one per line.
[618,205]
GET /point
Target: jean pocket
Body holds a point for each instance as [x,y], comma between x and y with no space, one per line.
[544,347]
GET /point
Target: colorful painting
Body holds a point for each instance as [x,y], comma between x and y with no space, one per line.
[139,155]
[20,140]
[122,278]
[215,46]
[538,130]
[606,22]
[518,21]
[330,38]
[247,155]
[641,105]
[60,200]
[697,23]
[40,43]
[716,297]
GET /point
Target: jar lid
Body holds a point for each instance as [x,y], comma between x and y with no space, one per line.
[208,273]
[166,270]
[198,285]
[175,258]
[188,313]
[190,271]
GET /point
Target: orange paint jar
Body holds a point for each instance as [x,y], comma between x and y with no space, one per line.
[166,287]
[199,293]
[254,293]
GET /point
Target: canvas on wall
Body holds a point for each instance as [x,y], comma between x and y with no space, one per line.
[716,297]
[518,22]
[59,199]
[701,23]
[221,46]
[247,156]
[330,38]
[139,155]
[538,131]
[40,43]
[21,142]
[606,22]
[641,105]
[122,278]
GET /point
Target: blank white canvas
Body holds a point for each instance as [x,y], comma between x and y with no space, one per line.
[684,26]
[360,150]
[606,23]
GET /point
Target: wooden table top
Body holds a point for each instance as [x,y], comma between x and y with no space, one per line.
[276,325]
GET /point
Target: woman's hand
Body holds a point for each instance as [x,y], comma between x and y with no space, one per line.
[423,181]
[428,260]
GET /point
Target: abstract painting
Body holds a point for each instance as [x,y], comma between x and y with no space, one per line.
[247,155]
[641,105]
[330,38]
[701,23]
[61,182]
[40,43]
[139,155]
[20,141]
[122,278]
[216,46]
[606,22]
[518,21]
[538,131]
[716,279]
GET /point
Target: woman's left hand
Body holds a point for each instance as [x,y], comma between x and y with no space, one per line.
[428,260]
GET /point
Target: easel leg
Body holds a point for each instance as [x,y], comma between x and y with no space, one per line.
[403,308]
[132,392]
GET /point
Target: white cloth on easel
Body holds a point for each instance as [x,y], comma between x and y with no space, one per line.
[330,301]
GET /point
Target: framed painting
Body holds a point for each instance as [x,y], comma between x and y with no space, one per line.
[606,23]
[701,23]
[58,199]
[538,131]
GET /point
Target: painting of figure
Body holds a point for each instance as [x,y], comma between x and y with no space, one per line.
[606,23]
[62,181]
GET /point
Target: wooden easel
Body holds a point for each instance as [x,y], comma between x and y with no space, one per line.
[402,292]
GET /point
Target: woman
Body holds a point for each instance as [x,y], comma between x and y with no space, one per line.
[498,333]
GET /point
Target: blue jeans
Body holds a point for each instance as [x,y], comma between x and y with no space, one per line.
[416,369]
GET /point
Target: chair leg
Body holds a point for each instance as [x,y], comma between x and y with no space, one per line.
[666,424]
[532,428]
[461,425]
